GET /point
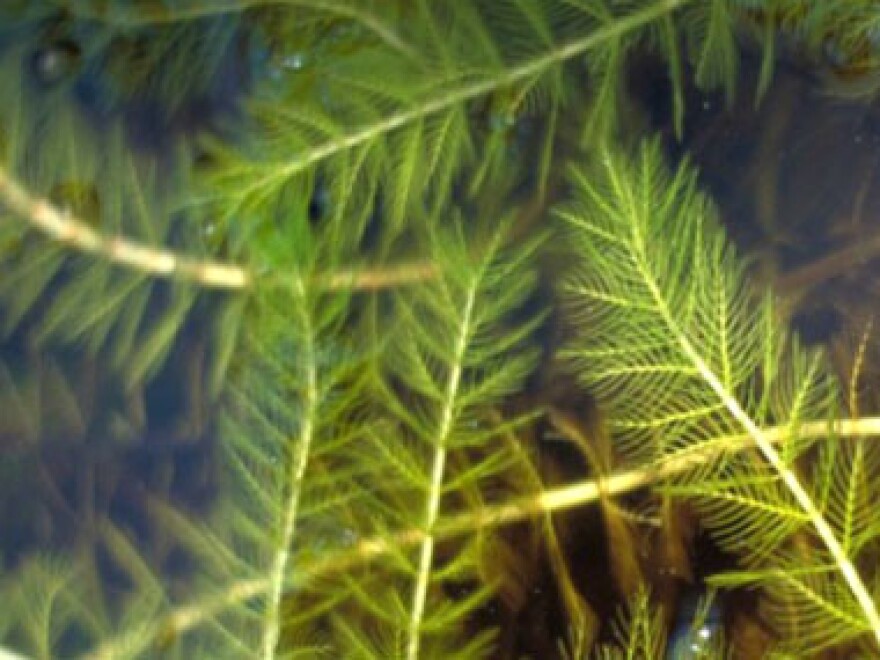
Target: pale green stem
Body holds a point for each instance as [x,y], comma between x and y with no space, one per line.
[185,618]
[433,505]
[758,435]
[525,71]
[298,464]
[823,528]
[67,229]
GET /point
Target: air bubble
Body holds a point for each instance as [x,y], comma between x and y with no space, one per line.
[295,62]
[56,62]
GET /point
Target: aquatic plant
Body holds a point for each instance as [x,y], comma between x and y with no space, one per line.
[287,289]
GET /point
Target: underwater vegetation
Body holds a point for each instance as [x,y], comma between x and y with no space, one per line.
[352,329]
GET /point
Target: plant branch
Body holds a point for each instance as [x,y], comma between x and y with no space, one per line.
[719,384]
[299,461]
[510,77]
[187,617]
[438,472]
[68,229]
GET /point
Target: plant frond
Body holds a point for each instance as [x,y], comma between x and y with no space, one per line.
[325,211]
[663,277]
[807,597]
[360,126]
[638,632]
[713,46]
[449,360]
[810,607]
[84,299]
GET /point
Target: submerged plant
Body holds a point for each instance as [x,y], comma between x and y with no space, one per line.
[287,289]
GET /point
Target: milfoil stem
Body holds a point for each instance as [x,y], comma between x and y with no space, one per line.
[764,443]
[298,464]
[187,617]
[432,509]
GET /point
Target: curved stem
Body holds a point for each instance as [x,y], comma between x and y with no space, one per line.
[296,469]
[70,230]
[188,617]
[456,96]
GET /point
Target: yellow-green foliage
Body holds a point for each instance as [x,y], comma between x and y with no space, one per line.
[346,227]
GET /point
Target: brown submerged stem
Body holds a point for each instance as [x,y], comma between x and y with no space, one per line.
[184,618]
